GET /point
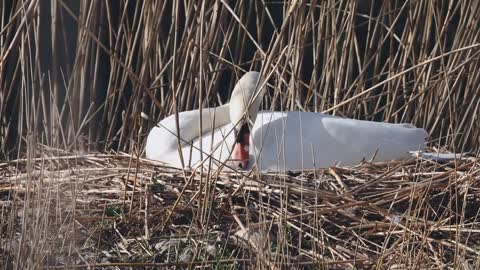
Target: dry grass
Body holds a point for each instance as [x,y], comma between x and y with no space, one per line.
[103,210]
[76,75]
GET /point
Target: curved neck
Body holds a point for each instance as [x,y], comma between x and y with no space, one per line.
[246,98]
[206,118]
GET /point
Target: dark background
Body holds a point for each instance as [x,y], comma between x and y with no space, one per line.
[79,73]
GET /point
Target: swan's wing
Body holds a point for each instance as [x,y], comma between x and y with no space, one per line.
[292,141]
[296,140]
[383,140]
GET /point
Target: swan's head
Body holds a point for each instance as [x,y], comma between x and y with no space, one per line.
[244,105]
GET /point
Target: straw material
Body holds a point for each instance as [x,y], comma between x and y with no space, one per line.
[119,210]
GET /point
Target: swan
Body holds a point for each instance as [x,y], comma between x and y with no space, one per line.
[237,133]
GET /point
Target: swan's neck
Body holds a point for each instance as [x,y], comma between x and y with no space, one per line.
[193,124]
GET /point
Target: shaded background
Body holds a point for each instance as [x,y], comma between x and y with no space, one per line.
[77,74]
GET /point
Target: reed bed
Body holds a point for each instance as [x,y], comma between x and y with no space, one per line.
[76,76]
[85,71]
[65,210]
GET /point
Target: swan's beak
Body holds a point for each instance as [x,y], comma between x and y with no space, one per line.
[240,151]
[240,155]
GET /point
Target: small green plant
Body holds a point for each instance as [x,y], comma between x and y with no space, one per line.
[114,211]
[156,186]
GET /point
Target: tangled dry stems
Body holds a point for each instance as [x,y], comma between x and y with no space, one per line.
[113,210]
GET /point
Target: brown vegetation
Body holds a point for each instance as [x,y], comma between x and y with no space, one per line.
[75,77]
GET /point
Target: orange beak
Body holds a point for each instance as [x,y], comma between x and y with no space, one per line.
[241,151]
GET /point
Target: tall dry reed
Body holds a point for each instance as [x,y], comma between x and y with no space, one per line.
[84,71]
[75,76]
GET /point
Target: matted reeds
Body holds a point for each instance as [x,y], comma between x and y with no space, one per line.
[117,210]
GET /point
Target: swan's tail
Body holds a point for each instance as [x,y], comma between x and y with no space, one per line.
[440,157]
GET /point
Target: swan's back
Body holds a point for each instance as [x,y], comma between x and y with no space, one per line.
[304,140]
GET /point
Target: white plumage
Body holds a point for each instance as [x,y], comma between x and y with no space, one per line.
[280,140]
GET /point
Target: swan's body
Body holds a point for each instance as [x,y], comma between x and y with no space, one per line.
[282,140]
[291,141]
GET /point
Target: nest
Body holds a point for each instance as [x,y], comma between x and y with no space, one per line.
[113,210]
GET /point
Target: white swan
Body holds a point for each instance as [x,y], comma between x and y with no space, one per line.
[278,140]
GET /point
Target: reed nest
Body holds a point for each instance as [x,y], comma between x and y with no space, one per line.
[65,210]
